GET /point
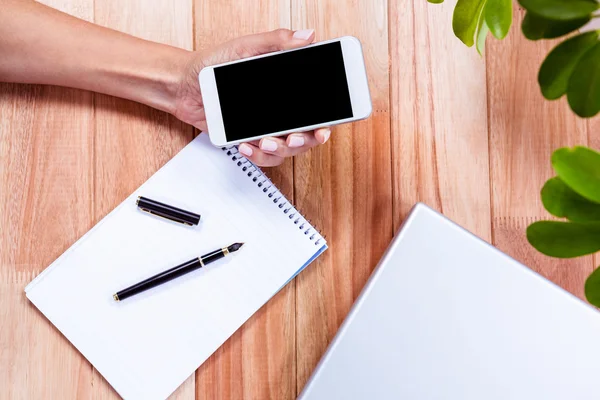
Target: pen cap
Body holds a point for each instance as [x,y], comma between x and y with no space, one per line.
[167,211]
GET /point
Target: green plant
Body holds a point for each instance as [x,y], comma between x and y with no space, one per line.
[571,68]
[574,194]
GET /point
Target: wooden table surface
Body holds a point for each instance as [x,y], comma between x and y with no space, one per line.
[467,135]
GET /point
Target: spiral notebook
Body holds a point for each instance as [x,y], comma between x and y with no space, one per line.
[147,345]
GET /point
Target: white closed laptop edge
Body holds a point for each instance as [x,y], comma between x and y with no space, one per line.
[446,315]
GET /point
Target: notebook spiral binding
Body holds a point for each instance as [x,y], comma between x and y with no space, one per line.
[263,182]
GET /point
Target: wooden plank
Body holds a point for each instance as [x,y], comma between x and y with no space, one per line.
[46,188]
[524,131]
[37,361]
[344,186]
[258,361]
[132,140]
[439,124]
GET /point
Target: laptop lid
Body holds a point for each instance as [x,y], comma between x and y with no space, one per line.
[447,316]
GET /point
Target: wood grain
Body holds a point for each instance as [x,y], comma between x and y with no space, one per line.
[469,136]
[344,186]
[46,202]
[439,123]
[133,141]
[258,361]
[46,182]
[36,361]
[524,131]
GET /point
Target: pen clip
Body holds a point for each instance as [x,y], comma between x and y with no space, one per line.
[168,218]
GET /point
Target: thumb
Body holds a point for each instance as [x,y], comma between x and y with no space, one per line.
[277,40]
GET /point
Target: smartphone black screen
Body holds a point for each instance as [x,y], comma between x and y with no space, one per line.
[286,91]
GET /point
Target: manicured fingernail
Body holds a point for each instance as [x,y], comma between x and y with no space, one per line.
[326,134]
[303,34]
[296,141]
[245,149]
[268,145]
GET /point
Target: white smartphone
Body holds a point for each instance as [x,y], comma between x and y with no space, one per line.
[288,91]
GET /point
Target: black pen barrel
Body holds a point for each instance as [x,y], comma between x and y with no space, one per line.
[213,256]
[161,278]
[176,272]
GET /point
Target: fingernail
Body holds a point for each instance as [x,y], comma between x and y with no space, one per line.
[296,141]
[326,134]
[268,145]
[245,149]
[303,34]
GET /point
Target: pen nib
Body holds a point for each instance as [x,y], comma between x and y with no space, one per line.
[235,247]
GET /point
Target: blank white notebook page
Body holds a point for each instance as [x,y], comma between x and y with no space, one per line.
[147,345]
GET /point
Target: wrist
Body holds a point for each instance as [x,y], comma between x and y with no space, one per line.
[156,77]
[46,46]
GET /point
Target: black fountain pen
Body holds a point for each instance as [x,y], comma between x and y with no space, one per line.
[176,272]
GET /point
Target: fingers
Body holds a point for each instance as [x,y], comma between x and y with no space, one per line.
[294,144]
[277,40]
[271,151]
[259,157]
[322,135]
[301,141]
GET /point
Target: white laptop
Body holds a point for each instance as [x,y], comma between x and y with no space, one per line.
[447,316]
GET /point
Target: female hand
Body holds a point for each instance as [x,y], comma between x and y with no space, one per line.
[189,107]
[45,46]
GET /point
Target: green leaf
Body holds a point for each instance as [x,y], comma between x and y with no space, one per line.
[560,9]
[436,1]
[564,239]
[583,91]
[498,17]
[557,68]
[592,288]
[482,32]
[562,201]
[535,27]
[466,18]
[579,168]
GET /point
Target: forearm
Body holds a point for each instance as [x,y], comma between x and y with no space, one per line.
[42,45]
